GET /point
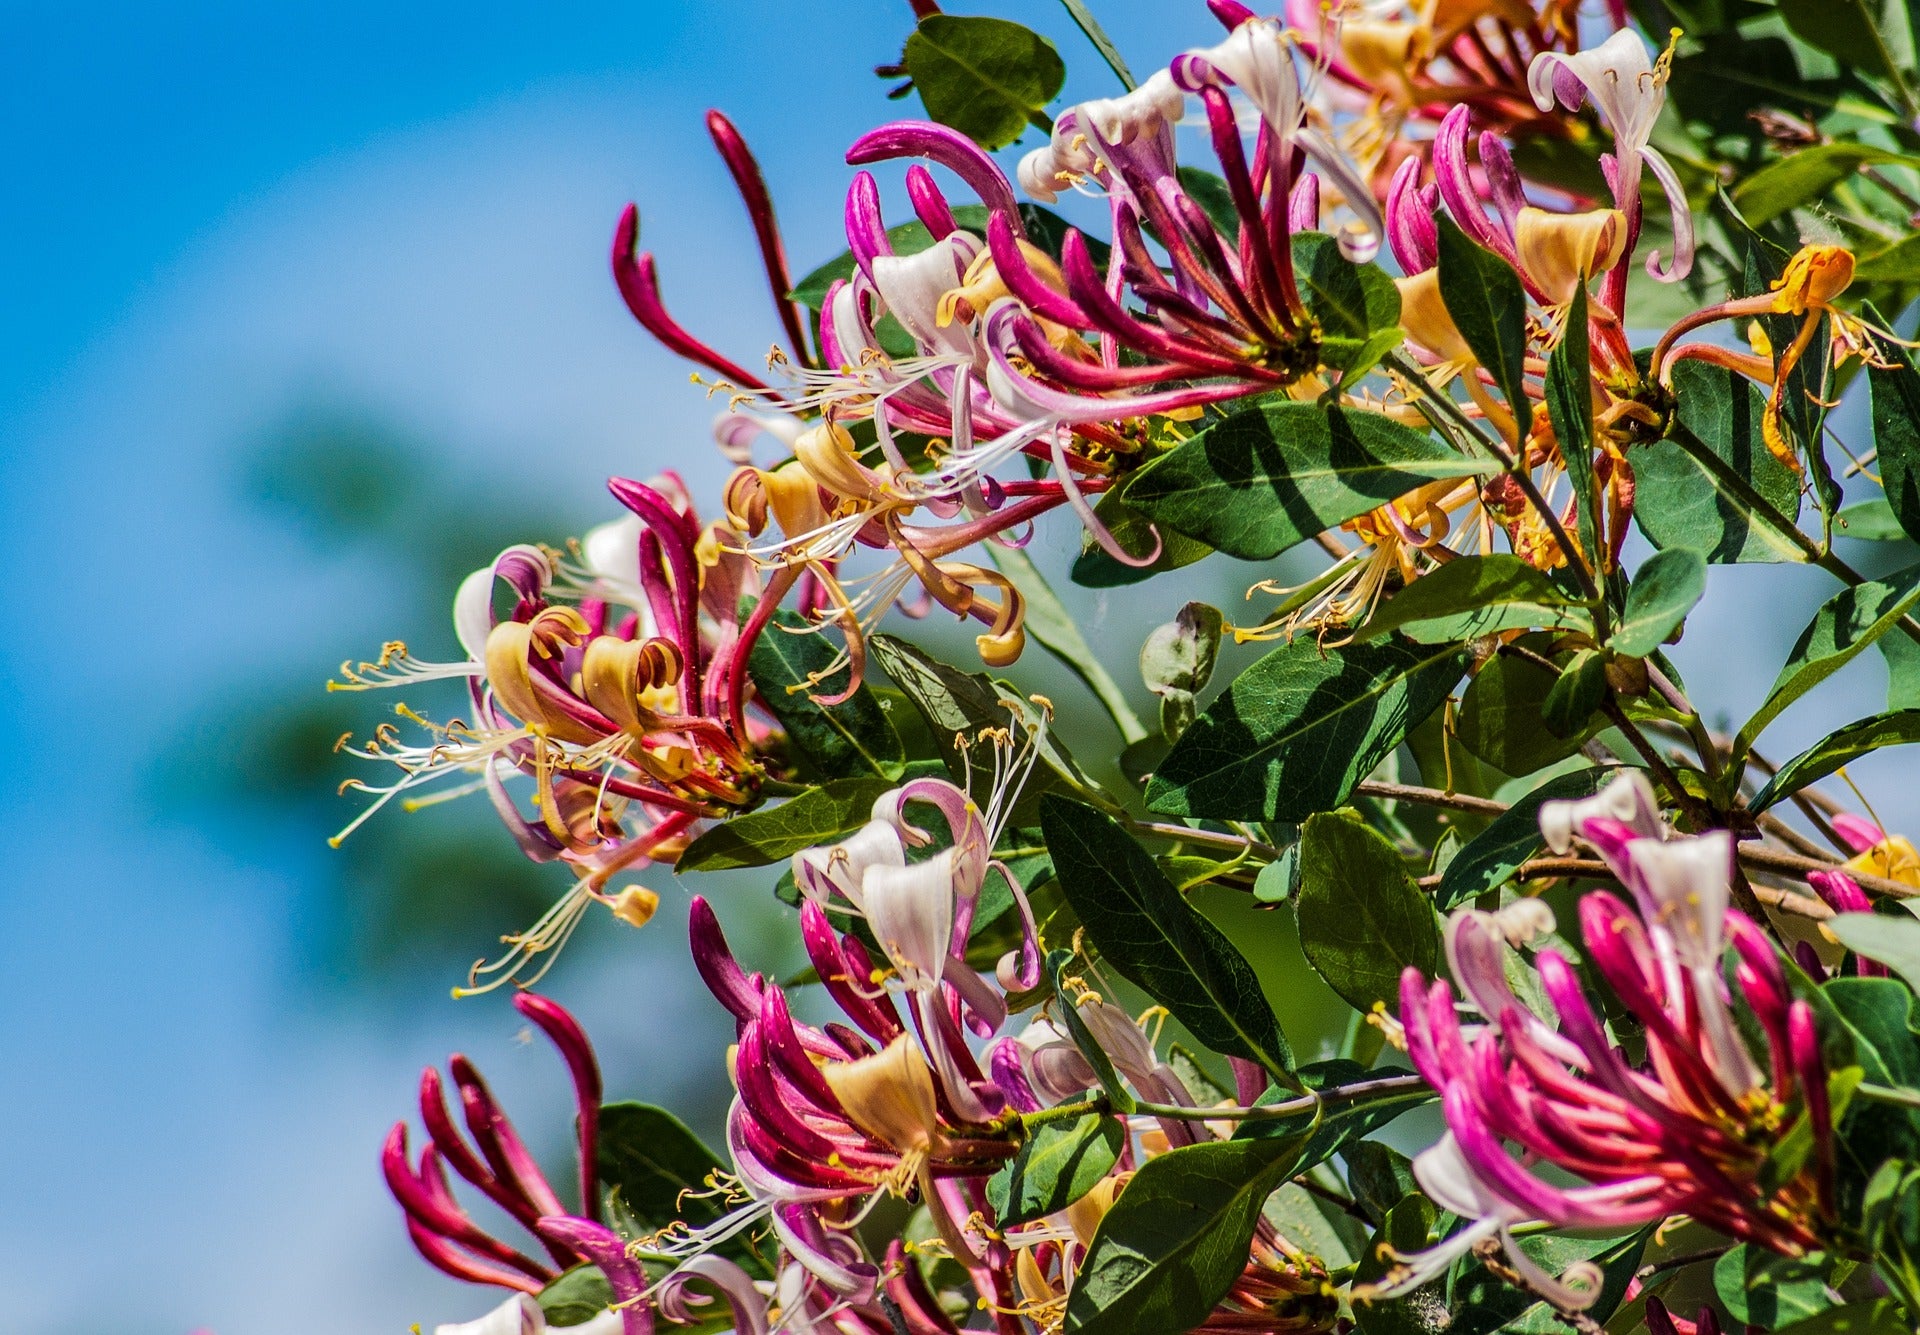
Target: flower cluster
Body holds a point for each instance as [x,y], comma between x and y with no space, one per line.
[1366,279]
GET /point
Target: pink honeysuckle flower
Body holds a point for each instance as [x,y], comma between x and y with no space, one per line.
[492,1158]
[1685,1132]
[616,683]
[825,1120]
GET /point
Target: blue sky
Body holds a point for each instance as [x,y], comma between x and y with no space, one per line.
[212,211]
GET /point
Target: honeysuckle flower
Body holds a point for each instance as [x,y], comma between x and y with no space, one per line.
[521,1315]
[493,1159]
[616,683]
[1629,88]
[1813,278]
[824,1120]
[1686,1132]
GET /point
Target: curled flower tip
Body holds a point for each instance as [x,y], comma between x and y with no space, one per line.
[766,229]
[950,149]
[1231,13]
[1859,833]
[566,1035]
[639,284]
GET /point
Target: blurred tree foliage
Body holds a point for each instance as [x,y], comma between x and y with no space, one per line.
[409,894]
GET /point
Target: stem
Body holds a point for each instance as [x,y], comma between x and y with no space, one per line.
[1410,1086]
[1432,797]
[1906,1098]
[1514,464]
[1219,839]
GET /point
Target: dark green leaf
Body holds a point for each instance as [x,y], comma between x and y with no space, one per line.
[1805,176]
[1664,590]
[1362,919]
[1482,1303]
[1682,500]
[1059,1163]
[1148,932]
[1569,396]
[1300,727]
[959,705]
[1500,717]
[662,1173]
[848,739]
[987,78]
[1875,1018]
[1270,477]
[1846,624]
[1472,596]
[1895,391]
[1851,31]
[1579,691]
[1841,747]
[822,815]
[1177,1237]
[576,1297]
[1483,295]
[1095,568]
[1902,657]
[1083,17]
[1492,856]
[1880,1316]
[1379,1176]
[1767,1290]
[1213,196]
[1353,303]
[1406,1227]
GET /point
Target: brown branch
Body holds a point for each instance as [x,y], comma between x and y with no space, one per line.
[1431,797]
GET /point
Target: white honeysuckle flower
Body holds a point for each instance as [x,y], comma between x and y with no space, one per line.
[1629,86]
[1627,798]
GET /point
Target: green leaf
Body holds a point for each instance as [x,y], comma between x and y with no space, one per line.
[1664,590]
[1846,624]
[987,78]
[1874,1020]
[1902,656]
[1176,662]
[576,1297]
[958,705]
[1352,302]
[1267,478]
[1177,1237]
[1851,32]
[661,1172]
[1682,500]
[1897,263]
[1482,1303]
[1500,717]
[1575,695]
[1768,1290]
[1569,397]
[851,738]
[1379,1176]
[1059,1163]
[1362,919]
[1871,520]
[1880,1316]
[1492,856]
[1841,747]
[1049,622]
[1406,1226]
[1894,942]
[1895,391]
[1471,596]
[1215,198]
[1095,568]
[1145,928]
[1483,295]
[822,815]
[1805,176]
[1088,24]
[1299,728]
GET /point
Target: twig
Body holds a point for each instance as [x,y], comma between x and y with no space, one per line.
[1431,797]
[1218,838]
